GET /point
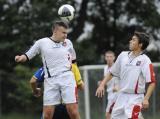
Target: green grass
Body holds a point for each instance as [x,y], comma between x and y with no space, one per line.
[19,116]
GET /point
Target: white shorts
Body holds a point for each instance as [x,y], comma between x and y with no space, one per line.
[60,89]
[127,106]
[111,101]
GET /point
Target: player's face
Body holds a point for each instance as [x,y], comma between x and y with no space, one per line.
[134,44]
[109,58]
[60,33]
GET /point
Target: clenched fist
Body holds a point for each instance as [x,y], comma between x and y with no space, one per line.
[20,58]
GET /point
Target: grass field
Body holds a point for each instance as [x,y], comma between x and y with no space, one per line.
[28,116]
[19,116]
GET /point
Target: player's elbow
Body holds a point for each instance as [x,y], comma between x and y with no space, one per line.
[152,85]
[33,80]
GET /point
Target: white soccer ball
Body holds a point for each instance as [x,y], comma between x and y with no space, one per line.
[66,12]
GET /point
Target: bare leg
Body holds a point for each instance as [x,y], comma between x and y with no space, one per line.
[73,110]
[108,115]
[48,111]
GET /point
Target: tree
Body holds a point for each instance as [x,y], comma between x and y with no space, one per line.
[115,20]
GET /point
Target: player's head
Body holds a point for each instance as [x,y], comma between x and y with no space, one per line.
[60,30]
[109,57]
[139,40]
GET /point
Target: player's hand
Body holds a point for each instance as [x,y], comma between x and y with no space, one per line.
[115,89]
[20,58]
[81,86]
[145,104]
[37,92]
[100,91]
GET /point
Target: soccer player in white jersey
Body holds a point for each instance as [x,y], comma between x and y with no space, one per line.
[112,85]
[56,53]
[135,70]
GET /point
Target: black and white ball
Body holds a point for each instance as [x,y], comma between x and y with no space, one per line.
[66,12]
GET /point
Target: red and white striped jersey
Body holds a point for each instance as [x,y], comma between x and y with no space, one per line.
[133,72]
[56,57]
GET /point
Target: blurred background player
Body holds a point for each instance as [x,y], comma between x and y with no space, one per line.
[38,77]
[112,85]
[135,70]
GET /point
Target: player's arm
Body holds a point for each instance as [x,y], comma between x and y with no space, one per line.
[34,50]
[101,88]
[33,83]
[81,86]
[148,94]
[37,77]
[75,69]
[114,71]
[77,75]
[21,58]
[116,85]
[148,73]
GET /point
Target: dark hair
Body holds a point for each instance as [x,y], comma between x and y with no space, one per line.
[59,23]
[143,38]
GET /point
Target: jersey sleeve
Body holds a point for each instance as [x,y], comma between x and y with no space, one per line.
[148,71]
[77,74]
[34,50]
[105,70]
[72,51]
[39,75]
[115,69]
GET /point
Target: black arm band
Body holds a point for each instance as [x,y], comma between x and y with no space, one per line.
[74,61]
[26,57]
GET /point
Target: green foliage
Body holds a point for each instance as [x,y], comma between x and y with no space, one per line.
[86,53]
[18,94]
[19,116]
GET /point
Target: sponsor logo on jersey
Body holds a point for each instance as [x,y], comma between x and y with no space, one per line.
[138,63]
[64,44]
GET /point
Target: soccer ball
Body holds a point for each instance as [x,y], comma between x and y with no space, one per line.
[66,12]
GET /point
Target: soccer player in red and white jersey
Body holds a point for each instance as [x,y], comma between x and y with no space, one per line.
[57,54]
[112,85]
[135,70]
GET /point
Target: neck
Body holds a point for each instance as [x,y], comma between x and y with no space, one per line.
[110,64]
[137,52]
[54,39]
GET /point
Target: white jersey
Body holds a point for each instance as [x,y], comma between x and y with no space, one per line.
[113,82]
[133,72]
[56,57]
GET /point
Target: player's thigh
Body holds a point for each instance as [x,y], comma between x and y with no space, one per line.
[118,108]
[48,110]
[134,105]
[69,90]
[110,105]
[51,95]
[73,107]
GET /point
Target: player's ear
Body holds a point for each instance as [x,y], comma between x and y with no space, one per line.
[141,45]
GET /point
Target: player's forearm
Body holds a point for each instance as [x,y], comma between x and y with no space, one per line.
[33,84]
[33,87]
[106,79]
[150,90]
